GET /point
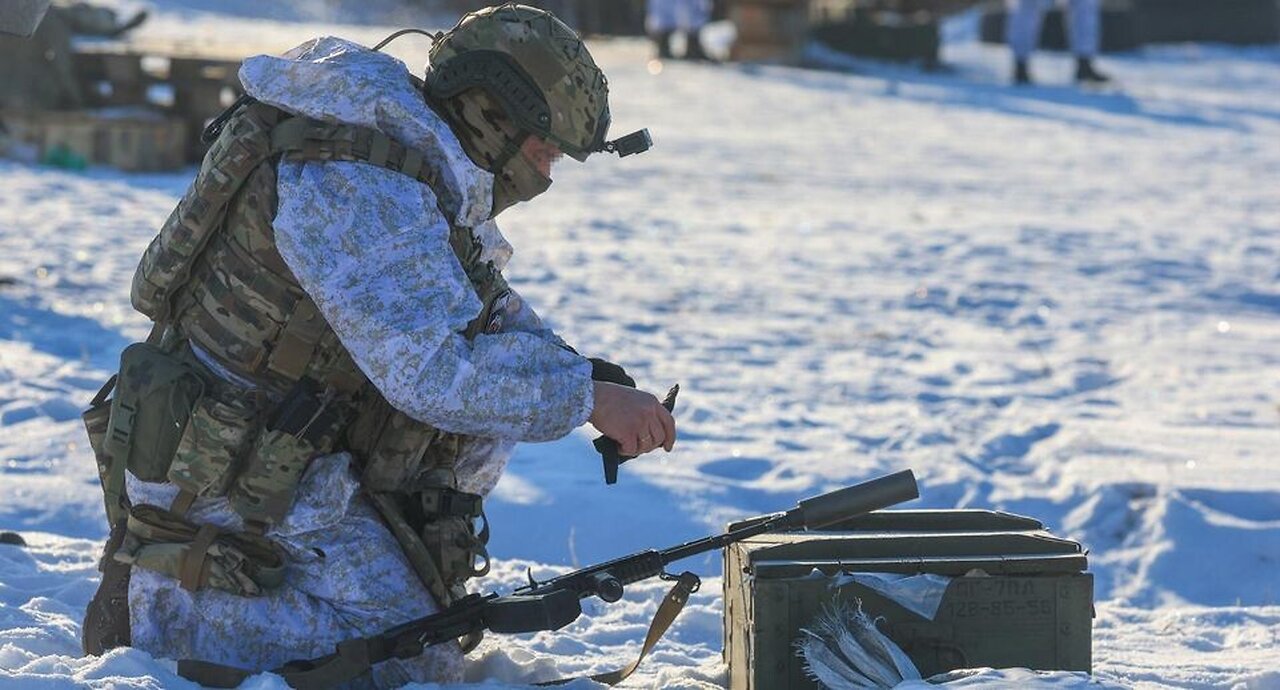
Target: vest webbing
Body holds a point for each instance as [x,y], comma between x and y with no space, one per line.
[248,308]
[214,276]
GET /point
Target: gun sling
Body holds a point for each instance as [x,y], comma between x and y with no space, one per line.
[686,584]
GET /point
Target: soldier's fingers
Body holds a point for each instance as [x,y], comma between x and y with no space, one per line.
[668,428]
[628,447]
[644,443]
[657,436]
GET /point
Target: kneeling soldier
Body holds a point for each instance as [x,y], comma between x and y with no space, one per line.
[297,455]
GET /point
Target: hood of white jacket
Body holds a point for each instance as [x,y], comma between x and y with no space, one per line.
[335,80]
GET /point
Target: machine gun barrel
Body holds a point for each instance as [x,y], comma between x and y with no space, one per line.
[851,501]
[812,513]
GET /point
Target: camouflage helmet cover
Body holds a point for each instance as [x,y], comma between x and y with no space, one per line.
[535,65]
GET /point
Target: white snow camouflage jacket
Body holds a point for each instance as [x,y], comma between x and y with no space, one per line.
[371,248]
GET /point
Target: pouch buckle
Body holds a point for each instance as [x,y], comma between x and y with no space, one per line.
[120,429]
[445,502]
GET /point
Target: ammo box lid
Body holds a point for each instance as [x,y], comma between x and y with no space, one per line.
[945,542]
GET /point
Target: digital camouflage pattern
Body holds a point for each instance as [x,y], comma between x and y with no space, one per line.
[552,56]
[334,80]
[372,250]
[345,578]
[242,306]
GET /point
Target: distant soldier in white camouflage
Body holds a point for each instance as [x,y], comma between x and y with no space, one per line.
[665,18]
[298,454]
[1083,31]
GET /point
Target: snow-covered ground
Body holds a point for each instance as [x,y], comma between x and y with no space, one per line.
[1050,302]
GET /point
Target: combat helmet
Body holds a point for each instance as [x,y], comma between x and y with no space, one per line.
[508,72]
[534,66]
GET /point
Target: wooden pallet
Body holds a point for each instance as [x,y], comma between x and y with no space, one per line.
[130,139]
[180,80]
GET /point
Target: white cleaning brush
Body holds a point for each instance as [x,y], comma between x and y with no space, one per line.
[844,650]
[826,667]
[869,637]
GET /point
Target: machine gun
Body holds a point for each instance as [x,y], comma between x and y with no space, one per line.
[555,603]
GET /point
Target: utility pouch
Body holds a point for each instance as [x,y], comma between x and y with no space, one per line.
[389,444]
[454,544]
[450,535]
[305,426]
[97,420]
[200,556]
[155,392]
[212,446]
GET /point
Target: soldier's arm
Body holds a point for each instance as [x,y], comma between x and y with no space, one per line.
[520,317]
[371,249]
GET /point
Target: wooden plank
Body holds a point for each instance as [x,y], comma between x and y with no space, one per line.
[193,82]
[765,52]
[217,52]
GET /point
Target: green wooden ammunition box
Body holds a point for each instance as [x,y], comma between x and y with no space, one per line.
[1017,595]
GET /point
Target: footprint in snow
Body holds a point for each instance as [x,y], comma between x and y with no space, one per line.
[744,469]
[1017,445]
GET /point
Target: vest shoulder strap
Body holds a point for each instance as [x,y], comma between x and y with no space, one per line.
[301,138]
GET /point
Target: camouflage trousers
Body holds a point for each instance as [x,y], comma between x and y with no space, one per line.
[346,577]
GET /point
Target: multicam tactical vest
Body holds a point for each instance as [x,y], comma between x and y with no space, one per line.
[228,301]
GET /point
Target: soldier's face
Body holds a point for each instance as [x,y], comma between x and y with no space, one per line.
[541,153]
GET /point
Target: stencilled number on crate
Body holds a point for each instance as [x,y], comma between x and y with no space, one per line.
[994,587]
[1002,607]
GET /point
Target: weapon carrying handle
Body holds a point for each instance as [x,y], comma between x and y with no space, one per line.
[820,511]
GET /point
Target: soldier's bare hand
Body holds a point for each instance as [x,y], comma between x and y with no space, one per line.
[633,418]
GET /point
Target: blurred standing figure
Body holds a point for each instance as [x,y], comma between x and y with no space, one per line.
[1023,34]
[665,17]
